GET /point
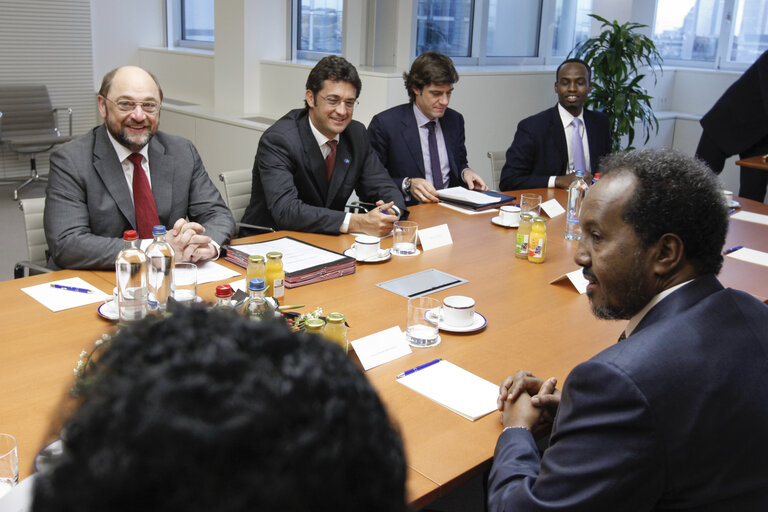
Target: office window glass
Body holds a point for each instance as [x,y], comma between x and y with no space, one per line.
[688,29]
[750,31]
[319,26]
[444,26]
[572,24]
[513,28]
[197,20]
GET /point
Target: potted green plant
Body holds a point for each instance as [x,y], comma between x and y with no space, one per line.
[616,57]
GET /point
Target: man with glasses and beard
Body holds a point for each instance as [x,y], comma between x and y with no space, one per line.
[674,415]
[127,175]
[309,162]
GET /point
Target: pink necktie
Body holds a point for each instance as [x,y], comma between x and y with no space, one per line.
[143,200]
[579,163]
[330,160]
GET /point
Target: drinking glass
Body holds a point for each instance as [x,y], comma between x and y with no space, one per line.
[421,328]
[530,203]
[184,287]
[9,463]
[405,237]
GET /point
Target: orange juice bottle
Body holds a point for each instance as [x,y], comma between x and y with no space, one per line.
[537,242]
[275,275]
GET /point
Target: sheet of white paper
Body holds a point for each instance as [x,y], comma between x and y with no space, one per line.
[457,389]
[239,285]
[750,217]
[211,271]
[466,211]
[297,256]
[578,280]
[469,196]
[751,256]
[552,208]
[381,347]
[57,299]
[436,236]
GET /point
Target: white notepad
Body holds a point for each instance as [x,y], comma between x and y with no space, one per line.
[457,389]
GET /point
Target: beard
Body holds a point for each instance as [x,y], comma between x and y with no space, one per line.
[133,145]
[632,294]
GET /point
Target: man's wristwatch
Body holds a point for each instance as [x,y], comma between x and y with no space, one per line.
[407,185]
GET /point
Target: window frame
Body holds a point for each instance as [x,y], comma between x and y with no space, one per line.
[173,31]
[310,55]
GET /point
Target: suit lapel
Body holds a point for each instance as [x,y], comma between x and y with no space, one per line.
[340,170]
[411,138]
[313,158]
[558,137]
[162,170]
[449,130]
[110,171]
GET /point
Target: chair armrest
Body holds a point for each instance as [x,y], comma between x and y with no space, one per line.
[69,113]
[32,269]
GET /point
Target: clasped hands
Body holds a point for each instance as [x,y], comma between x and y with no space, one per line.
[527,401]
[189,243]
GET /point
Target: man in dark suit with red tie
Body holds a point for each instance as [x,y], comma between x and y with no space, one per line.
[542,152]
[309,162]
[421,143]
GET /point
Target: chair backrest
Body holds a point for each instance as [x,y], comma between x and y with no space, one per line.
[497,162]
[237,190]
[33,225]
[26,110]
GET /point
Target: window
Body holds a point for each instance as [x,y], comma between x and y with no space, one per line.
[190,23]
[711,33]
[318,28]
[501,31]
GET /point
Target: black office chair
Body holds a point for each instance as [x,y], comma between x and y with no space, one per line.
[29,125]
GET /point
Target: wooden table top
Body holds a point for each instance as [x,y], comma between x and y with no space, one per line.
[755,162]
[545,328]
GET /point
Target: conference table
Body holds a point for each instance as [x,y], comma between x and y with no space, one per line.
[754,162]
[532,324]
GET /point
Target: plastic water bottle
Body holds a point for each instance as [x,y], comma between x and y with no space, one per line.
[131,274]
[576,193]
[224,295]
[160,267]
[255,306]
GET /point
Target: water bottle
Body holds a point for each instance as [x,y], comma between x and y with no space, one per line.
[131,274]
[576,192]
[160,267]
[224,295]
[255,307]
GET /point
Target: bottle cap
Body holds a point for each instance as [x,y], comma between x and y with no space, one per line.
[274,255]
[336,318]
[224,290]
[540,219]
[580,173]
[256,284]
[526,217]
[314,324]
[158,230]
[130,235]
[255,258]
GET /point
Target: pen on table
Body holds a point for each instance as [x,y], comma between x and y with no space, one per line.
[420,367]
[733,249]
[71,288]
[731,211]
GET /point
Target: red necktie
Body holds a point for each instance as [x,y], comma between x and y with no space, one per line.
[143,200]
[330,160]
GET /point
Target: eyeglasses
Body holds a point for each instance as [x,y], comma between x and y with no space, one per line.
[149,107]
[333,101]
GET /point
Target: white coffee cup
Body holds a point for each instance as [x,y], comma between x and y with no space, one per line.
[366,247]
[510,215]
[458,310]
[728,197]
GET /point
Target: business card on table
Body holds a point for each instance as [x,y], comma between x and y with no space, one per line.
[436,236]
[576,277]
[381,347]
[552,208]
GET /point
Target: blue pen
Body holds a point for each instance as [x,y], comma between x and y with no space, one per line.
[731,211]
[71,288]
[421,367]
[733,249]
[385,212]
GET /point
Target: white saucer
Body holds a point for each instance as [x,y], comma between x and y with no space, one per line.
[477,323]
[384,255]
[734,204]
[439,340]
[108,310]
[497,220]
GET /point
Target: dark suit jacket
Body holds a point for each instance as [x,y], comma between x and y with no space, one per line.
[539,149]
[88,204]
[395,139]
[290,189]
[673,417]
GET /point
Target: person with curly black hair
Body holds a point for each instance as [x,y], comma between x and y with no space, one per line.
[668,418]
[206,411]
